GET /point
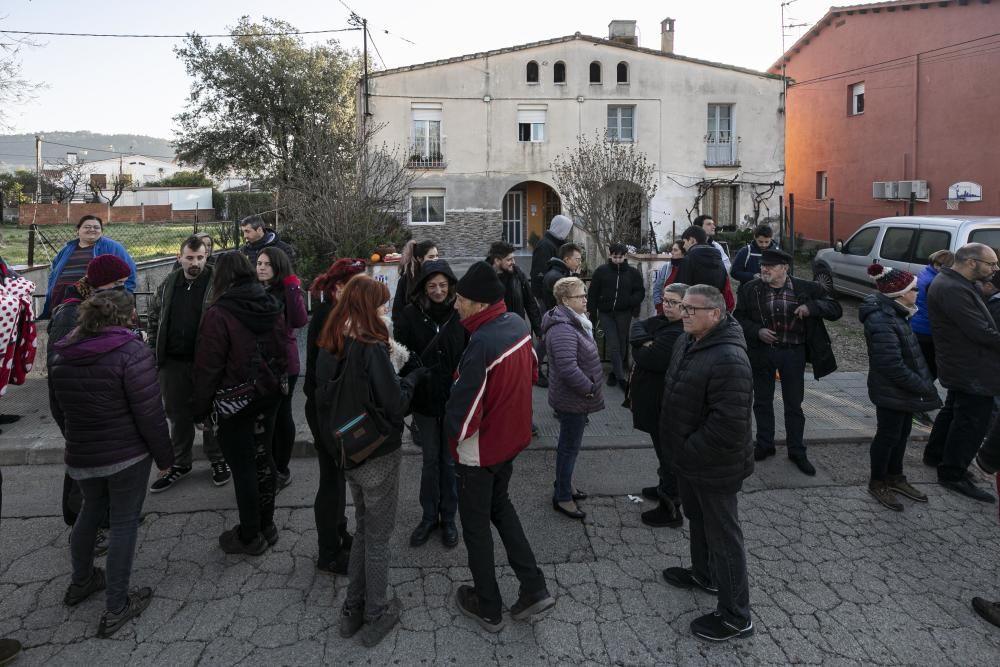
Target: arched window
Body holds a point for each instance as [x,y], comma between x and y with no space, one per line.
[531,73]
[623,72]
[559,72]
[595,72]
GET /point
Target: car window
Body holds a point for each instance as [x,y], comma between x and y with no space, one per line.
[896,243]
[862,242]
[930,241]
[990,237]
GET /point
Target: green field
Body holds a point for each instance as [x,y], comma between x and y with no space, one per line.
[143,241]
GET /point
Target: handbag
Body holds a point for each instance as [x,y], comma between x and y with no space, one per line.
[228,401]
[358,438]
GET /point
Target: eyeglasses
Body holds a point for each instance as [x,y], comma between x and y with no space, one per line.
[983,261]
[91,228]
[691,310]
[671,304]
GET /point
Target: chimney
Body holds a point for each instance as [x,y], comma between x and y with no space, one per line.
[667,35]
[623,32]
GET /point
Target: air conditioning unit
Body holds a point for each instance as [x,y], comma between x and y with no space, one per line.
[884,189]
[917,188]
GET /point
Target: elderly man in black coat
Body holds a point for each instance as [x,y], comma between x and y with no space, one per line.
[782,318]
[705,423]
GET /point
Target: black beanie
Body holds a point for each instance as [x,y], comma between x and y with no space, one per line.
[481,284]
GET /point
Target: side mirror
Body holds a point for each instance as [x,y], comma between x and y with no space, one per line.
[839,246]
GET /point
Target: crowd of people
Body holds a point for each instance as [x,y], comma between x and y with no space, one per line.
[461,354]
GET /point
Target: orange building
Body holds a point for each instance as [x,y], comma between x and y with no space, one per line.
[889,98]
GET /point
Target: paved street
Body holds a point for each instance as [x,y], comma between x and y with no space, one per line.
[835,578]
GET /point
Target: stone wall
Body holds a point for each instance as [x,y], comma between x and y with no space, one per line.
[466,233]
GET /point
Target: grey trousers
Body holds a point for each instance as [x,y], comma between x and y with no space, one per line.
[177,387]
[615,324]
[375,488]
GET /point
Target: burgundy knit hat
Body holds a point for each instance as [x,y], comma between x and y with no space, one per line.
[892,282]
[106,269]
[340,271]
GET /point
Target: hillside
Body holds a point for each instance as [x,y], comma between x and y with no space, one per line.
[18,150]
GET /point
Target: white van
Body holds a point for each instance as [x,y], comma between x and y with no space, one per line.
[901,242]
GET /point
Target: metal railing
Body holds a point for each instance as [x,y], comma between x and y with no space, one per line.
[427,154]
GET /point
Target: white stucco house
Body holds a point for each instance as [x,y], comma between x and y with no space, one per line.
[481,131]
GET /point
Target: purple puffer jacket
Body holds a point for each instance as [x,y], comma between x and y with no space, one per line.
[574,364]
[105,396]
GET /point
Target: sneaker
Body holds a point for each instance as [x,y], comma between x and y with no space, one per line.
[351,620]
[529,604]
[77,593]
[232,544]
[111,622]
[168,479]
[965,487]
[375,631]
[684,577]
[9,649]
[989,611]
[713,628]
[467,602]
[881,492]
[663,516]
[336,566]
[899,484]
[220,472]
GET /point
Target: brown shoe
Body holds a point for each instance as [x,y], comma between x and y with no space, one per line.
[882,493]
[899,484]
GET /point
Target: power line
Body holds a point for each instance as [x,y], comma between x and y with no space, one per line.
[376,50]
[105,150]
[152,36]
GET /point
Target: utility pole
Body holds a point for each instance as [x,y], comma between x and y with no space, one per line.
[38,168]
[784,80]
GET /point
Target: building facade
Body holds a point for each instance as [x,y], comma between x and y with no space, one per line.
[481,132]
[890,98]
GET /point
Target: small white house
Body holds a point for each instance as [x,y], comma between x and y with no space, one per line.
[481,130]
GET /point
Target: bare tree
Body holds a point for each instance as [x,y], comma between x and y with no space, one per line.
[348,194]
[111,192]
[606,185]
[14,88]
[64,182]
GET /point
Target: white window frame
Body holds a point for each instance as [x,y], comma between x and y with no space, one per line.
[822,182]
[615,133]
[427,193]
[534,118]
[857,90]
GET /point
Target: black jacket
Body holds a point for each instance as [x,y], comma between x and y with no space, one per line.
[898,377]
[651,362]
[993,304]
[746,265]
[822,306]
[270,239]
[615,287]
[436,339]
[401,297]
[702,265]
[519,298]
[547,248]
[321,310]
[966,339]
[557,270]
[707,396]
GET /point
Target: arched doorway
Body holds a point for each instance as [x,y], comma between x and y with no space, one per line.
[528,207]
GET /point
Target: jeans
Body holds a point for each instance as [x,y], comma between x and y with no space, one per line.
[927,348]
[331,496]
[245,439]
[889,444]
[122,494]
[958,431]
[482,499]
[177,385]
[615,325]
[284,429]
[570,438]
[667,488]
[375,489]
[438,489]
[717,552]
[790,362]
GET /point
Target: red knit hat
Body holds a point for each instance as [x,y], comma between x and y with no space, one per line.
[106,269]
[892,282]
[340,271]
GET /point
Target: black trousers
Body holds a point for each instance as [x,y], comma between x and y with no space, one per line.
[927,348]
[790,362]
[483,499]
[959,429]
[331,496]
[889,444]
[284,429]
[717,552]
[667,488]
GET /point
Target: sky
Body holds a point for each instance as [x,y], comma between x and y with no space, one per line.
[136,86]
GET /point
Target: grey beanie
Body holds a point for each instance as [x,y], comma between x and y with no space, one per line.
[560,227]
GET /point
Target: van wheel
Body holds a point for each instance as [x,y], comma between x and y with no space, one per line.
[823,277]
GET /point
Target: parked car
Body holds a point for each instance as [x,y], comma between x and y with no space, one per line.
[901,242]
